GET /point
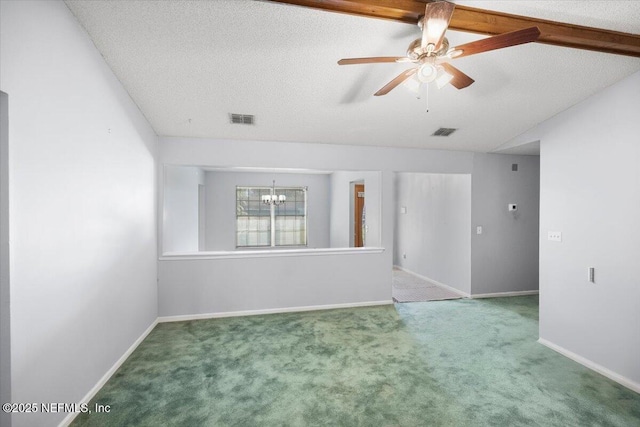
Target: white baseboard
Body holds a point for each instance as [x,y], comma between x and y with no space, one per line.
[181,318]
[624,381]
[72,415]
[505,294]
[457,291]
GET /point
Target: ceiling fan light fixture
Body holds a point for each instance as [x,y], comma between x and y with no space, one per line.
[443,78]
[413,85]
[427,73]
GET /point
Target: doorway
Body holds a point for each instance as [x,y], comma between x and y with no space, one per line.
[359,220]
[432,236]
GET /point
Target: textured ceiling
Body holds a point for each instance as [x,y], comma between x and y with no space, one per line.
[187,64]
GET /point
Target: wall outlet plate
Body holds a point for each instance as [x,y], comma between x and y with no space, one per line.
[554,236]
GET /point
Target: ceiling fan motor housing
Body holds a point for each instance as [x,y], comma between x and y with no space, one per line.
[416,51]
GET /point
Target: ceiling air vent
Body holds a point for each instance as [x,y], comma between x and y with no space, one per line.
[241,119]
[444,132]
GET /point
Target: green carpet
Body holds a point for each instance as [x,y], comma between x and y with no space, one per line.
[445,363]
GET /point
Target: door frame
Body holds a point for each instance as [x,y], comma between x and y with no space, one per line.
[353,221]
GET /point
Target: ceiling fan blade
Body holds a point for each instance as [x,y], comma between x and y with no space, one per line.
[500,41]
[372,60]
[460,80]
[436,20]
[395,82]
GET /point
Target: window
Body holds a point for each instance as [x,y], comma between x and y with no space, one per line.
[260,225]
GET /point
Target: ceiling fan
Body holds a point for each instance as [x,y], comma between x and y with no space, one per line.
[431,53]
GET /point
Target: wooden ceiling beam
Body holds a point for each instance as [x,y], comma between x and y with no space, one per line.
[487,22]
[407,11]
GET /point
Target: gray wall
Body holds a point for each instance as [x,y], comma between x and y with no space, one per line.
[590,191]
[5,306]
[207,286]
[181,208]
[82,209]
[221,205]
[504,258]
[435,231]
[223,285]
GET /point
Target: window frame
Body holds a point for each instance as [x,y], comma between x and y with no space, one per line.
[273,215]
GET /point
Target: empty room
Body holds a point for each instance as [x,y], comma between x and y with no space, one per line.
[318,213]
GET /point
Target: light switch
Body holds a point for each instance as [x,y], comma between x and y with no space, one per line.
[403,209]
[479,229]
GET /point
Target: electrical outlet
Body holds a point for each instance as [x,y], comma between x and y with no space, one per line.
[554,236]
[479,229]
[512,207]
[404,256]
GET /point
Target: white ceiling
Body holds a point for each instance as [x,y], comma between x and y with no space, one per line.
[187,64]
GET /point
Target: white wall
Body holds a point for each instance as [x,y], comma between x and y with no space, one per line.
[504,258]
[435,231]
[221,204]
[82,209]
[341,207]
[590,191]
[181,208]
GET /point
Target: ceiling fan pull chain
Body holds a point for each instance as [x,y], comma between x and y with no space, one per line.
[427,98]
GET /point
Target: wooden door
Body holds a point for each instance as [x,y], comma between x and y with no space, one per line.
[358,204]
